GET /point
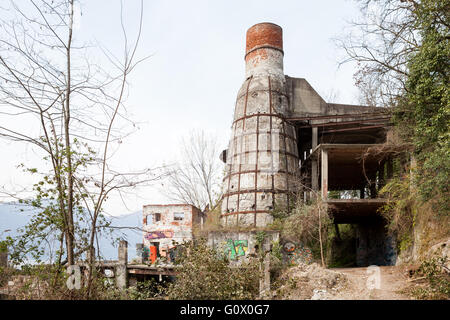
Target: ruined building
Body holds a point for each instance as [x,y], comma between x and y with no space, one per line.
[262,158]
[165,226]
[287,140]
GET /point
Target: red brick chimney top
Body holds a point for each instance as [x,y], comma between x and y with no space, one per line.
[264,35]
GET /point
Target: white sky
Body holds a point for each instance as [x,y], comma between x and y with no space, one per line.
[196,69]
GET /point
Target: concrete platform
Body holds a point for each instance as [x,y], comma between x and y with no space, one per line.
[354,210]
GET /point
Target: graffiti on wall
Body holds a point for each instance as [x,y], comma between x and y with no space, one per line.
[145,253]
[158,235]
[235,248]
[150,254]
[296,253]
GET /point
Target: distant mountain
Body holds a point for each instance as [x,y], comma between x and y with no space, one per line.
[14,216]
[133,236]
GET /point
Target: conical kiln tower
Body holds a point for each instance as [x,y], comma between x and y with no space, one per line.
[262,157]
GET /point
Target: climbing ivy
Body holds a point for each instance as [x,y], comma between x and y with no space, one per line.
[423,112]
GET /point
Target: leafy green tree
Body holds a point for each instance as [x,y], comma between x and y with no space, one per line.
[423,112]
[402,52]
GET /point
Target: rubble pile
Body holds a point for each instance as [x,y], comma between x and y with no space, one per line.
[310,282]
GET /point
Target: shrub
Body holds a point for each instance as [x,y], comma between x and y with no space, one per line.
[438,280]
[205,274]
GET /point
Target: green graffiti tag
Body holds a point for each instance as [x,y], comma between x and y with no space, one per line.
[235,248]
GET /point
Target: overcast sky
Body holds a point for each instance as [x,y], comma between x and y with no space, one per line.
[196,68]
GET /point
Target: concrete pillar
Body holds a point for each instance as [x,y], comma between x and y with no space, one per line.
[139,252]
[123,251]
[314,165]
[264,281]
[314,175]
[121,276]
[314,162]
[315,137]
[324,174]
[121,271]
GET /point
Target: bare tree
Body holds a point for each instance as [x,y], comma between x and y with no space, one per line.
[196,176]
[381,41]
[74,109]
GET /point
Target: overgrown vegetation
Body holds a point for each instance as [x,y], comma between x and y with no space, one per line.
[47,282]
[76,108]
[400,210]
[402,50]
[206,274]
[423,111]
[306,223]
[341,250]
[437,280]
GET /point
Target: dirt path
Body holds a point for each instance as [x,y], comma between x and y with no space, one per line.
[360,287]
[313,282]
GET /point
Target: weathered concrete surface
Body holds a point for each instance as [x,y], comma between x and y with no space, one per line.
[354,211]
[271,111]
[264,50]
[264,281]
[305,101]
[374,245]
[120,271]
[278,123]
[241,245]
[262,159]
[121,275]
[123,252]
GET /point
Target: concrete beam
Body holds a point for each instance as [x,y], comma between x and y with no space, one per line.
[354,210]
